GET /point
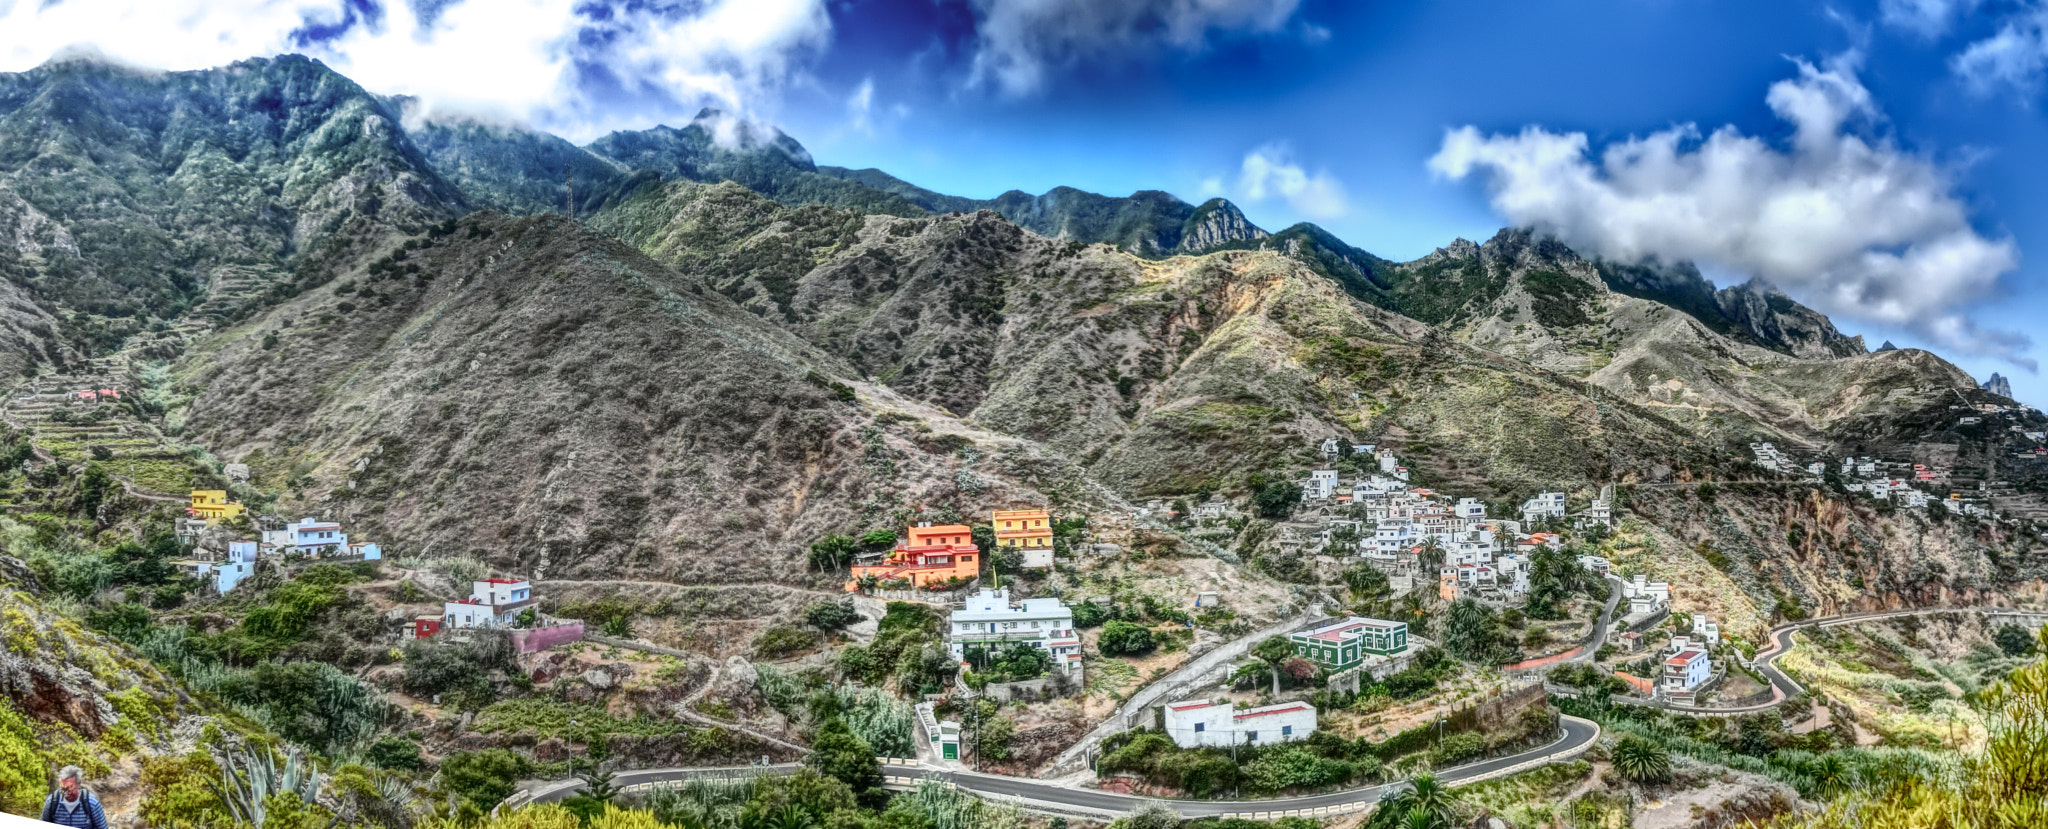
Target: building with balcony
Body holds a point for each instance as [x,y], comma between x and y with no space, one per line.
[932,555]
[491,603]
[213,505]
[989,620]
[1026,531]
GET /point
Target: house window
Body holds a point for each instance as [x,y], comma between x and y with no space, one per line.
[1198,728]
[1286,731]
[1251,736]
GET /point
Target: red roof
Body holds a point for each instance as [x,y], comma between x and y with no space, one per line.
[503,581]
[1299,706]
[1684,657]
[1190,706]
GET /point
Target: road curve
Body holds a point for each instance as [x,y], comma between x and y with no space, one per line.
[1578,736]
[1784,687]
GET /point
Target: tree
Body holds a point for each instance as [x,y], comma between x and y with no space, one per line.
[833,552]
[1276,500]
[1640,760]
[1473,633]
[1125,639]
[1426,803]
[838,753]
[1273,651]
[1430,556]
[831,615]
[395,753]
[1415,611]
[2013,640]
[1369,587]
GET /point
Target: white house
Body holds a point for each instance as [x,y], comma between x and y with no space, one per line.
[1199,723]
[1684,672]
[1388,462]
[309,536]
[1596,564]
[491,603]
[989,619]
[1645,596]
[1544,505]
[241,564]
[1322,484]
[1706,630]
[1329,449]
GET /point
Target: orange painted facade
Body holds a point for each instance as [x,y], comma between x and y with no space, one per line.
[934,554]
[1022,529]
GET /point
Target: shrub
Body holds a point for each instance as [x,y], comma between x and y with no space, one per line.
[2014,640]
[1125,639]
[782,640]
[396,753]
[484,778]
[1640,760]
[1456,749]
[831,615]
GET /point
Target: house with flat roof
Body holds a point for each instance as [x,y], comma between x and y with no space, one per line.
[1026,531]
[491,603]
[213,505]
[1198,723]
[1347,644]
[934,554]
[989,619]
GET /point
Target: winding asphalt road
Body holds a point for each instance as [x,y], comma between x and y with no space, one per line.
[1044,795]
[1784,687]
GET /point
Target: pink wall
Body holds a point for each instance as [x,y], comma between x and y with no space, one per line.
[540,639]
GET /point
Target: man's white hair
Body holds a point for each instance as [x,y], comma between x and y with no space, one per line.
[70,773]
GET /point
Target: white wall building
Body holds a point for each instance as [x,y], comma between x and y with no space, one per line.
[1544,505]
[1322,484]
[989,619]
[1199,723]
[491,603]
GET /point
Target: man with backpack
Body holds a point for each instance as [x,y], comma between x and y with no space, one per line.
[71,805]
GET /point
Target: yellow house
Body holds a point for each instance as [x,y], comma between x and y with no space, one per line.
[213,505]
[1028,531]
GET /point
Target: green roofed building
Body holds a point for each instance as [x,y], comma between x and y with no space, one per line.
[1345,645]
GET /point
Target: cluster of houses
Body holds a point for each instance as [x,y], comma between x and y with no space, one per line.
[1380,518]
[307,537]
[1897,482]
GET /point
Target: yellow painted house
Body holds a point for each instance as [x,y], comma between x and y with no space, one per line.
[213,505]
[1028,531]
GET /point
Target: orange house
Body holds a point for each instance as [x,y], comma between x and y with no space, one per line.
[934,554]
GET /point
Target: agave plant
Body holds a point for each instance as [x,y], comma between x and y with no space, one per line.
[247,779]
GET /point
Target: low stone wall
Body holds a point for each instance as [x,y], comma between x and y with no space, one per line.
[1030,689]
[927,596]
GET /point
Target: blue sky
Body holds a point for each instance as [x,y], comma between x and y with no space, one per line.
[1879,159]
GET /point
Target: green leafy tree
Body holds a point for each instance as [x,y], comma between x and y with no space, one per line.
[832,552]
[395,753]
[2013,640]
[1641,760]
[838,753]
[1125,639]
[1369,588]
[1276,500]
[1273,651]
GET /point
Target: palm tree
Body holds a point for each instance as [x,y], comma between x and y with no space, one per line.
[1430,556]
[1425,804]
[1641,760]
[1830,775]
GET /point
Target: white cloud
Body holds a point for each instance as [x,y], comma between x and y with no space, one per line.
[860,107]
[1855,227]
[520,59]
[1270,172]
[1926,18]
[1022,41]
[2013,57]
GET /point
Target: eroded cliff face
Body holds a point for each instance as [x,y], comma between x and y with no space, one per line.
[1217,223]
[1763,553]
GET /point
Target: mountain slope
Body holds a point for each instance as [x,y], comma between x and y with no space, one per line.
[1163,377]
[554,402]
[136,195]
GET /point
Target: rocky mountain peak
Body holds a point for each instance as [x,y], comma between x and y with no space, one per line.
[1459,249]
[1887,347]
[1775,319]
[1998,385]
[1216,223]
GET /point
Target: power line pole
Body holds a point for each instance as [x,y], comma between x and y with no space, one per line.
[569,189]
